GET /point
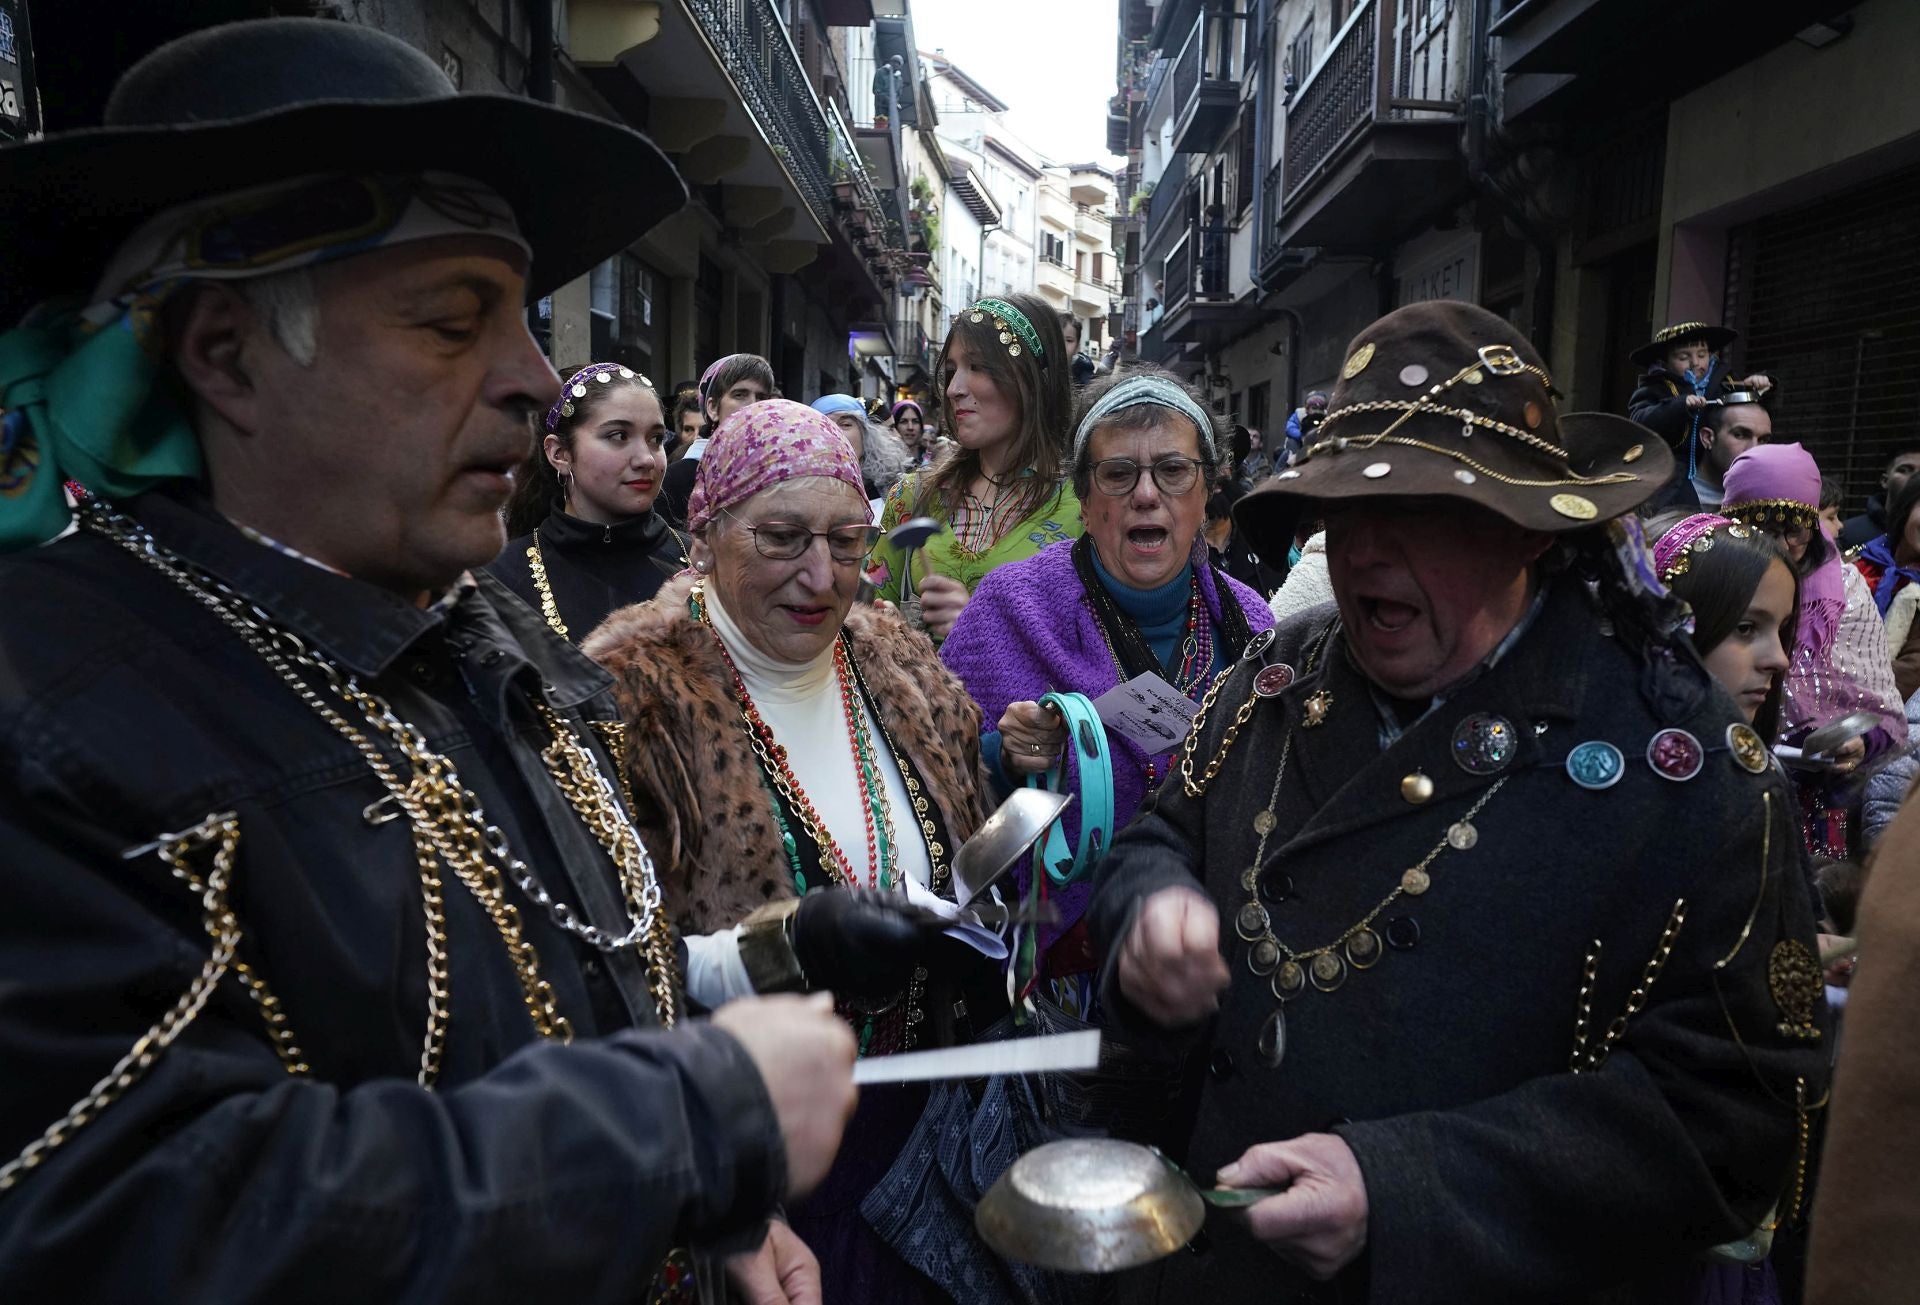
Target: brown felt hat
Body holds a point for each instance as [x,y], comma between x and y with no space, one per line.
[1447,400]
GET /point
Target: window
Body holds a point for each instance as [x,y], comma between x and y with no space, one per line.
[1245,166]
[1098,270]
[1300,54]
[1053,249]
[1259,406]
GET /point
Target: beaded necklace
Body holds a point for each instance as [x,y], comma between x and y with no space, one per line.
[778,770]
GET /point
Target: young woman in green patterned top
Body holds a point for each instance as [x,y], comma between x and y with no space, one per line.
[1003,493]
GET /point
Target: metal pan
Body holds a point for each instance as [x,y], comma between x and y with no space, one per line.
[1095,1205]
[1002,839]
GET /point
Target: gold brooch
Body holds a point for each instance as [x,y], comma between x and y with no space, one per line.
[1794,978]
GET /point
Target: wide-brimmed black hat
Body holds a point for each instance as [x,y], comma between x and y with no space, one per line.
[1447,400]
[250,103]
[1655,350]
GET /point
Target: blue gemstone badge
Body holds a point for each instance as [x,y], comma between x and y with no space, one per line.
[1484,744]
[1596,764]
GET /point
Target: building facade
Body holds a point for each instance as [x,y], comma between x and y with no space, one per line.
[1297,167]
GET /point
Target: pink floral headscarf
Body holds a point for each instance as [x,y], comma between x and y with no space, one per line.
[762,445]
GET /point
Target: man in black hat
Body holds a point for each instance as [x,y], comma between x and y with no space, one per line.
[334,967]
[1487,895]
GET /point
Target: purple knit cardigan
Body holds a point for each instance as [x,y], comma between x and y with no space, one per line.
[1028,630]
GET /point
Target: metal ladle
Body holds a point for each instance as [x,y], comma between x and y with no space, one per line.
[910,537]
[1096,1205]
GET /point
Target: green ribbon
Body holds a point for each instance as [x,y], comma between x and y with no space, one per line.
[88,405]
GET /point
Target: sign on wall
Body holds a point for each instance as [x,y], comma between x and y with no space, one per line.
[19,106]
[1444,265]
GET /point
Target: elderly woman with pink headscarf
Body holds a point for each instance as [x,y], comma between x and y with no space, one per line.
[1840,662]
[787,744]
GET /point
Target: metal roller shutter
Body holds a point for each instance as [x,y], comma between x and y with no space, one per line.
[1827,301]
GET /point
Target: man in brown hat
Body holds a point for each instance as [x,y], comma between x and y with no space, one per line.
[1480,899]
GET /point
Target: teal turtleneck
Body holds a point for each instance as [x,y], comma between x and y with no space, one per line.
[1161,612]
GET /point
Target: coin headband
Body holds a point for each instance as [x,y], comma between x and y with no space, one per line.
[1779,511]
[576,387]
[1673,552]
[1010,320]
[1137,391]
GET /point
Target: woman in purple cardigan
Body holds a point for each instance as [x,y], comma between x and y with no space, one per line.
[1134,595]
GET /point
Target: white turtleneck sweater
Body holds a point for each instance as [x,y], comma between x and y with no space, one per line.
[801,704]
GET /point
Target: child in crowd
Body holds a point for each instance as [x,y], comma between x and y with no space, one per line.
[1830,497]
[1685,367]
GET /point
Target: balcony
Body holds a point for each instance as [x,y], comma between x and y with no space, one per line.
[876,92]
[1200,308]
[1205,95]
[1089,225]
[1373,132]
[1054,280]
[1592,58]
[1090,298]
[1165,200]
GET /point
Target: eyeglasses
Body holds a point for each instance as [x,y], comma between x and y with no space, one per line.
[1118,476]
[784,540]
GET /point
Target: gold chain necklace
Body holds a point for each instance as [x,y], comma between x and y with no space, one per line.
[1290,969]
[548,608]
[449,825]
[222,832]
[537,564]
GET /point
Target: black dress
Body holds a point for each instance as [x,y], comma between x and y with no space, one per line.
[591,569]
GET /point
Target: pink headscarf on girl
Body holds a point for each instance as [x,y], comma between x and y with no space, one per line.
[760,446]
[1781,483]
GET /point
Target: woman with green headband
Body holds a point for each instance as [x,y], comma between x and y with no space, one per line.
[1003,494]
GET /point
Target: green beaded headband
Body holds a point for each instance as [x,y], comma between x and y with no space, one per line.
[1011,322]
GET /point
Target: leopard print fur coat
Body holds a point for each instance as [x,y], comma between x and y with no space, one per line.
[701,805]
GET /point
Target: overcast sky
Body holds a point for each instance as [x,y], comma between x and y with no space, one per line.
[1051,61]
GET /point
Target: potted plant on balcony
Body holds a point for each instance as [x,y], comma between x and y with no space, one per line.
[844,191]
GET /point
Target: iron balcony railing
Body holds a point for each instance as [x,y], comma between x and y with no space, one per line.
[1196,266]
[1206,56]
[1165,198]
[1271,244]
[1390,62]
[758,54]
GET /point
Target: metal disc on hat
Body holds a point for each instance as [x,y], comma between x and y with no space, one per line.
[1675,754]
[1596,764]
[1574,507]
[1413,374]
[1485,744]
[1272,679]
[1377,470]
[1357,361]
[1258,645]
[1633,454]
[1748,749]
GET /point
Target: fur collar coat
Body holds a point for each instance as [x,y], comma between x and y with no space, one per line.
[702,805]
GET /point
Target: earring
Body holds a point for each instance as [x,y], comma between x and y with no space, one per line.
[703,566]
[566,484]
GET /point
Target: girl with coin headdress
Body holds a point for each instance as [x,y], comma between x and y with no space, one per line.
[1004,495]
[584,536]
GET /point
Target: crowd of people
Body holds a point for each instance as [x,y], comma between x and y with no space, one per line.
[464,825]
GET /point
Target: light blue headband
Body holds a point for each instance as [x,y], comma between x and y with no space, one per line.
[1157,390]
[829,404]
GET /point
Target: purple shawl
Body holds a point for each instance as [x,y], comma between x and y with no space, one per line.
[1029,630]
